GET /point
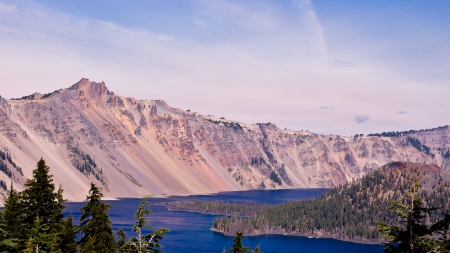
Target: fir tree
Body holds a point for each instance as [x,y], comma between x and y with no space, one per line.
[68,236]
[13,216]
[95,226]
[7,243]
[257,250]
[41,200]
[237,246]
[415,236]
[121,237]
[41,239]
[145,243]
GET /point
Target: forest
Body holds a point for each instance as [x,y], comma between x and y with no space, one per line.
[348,212]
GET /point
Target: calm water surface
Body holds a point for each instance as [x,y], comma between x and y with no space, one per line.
[190,232]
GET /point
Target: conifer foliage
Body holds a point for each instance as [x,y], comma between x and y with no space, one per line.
[34,217]
[68,236]
[414,235]
[144,243]
[238,247]
[41,201]
[95,225]
[32,220]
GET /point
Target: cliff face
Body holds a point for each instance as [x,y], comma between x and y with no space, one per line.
[137,147]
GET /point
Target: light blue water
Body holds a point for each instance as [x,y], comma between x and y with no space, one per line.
[190,232]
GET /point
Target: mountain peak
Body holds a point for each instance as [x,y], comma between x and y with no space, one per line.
[90,89]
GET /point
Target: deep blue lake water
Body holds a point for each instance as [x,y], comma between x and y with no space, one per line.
[190,232]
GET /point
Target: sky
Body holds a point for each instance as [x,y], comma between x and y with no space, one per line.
[331,67]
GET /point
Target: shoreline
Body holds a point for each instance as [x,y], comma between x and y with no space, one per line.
[309,236]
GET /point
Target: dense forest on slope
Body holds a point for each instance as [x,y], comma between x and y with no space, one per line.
[347,212]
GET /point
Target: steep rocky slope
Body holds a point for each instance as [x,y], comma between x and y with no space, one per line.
[138,147]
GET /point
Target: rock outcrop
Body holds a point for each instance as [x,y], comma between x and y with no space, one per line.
[138,147]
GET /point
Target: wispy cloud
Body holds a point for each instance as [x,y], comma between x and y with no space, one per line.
[275,60]
[7,8]
[342,64]
[361,118]
[401,112]
[310,18]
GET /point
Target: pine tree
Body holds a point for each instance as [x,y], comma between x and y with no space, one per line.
[41,200]
[68,236]
[257,250]
[145,243]
[7,243]
[237,246]
[13,216]
[41,239]
[95,225]
[415,236]
[121,237]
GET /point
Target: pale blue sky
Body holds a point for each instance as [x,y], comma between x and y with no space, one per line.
[340,67]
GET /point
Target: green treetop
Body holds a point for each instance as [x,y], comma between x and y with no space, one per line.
[68,236]
[12,216]
[144,243]
[41,239]
[95,226]
[415,236]
[237,246]
[42,201]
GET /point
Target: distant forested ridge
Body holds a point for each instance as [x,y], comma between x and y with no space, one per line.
[348,212]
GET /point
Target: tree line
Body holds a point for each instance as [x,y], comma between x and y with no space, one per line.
[348,212]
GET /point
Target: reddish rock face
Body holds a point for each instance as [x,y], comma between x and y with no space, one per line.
[139,147]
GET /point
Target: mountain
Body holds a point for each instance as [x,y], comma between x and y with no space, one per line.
[136,147]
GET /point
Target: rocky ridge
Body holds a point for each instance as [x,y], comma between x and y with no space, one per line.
[138,147]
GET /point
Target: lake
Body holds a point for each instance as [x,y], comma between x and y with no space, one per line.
[190,232]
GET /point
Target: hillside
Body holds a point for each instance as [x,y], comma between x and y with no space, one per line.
[138,147]
[347,212]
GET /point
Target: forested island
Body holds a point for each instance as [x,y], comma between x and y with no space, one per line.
[349,212]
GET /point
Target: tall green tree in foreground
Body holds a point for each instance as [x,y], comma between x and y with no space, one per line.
[95,226]
[41,200]
[144,243]
[41,239]
[38,202]
[68,236]
[12,217]
[414,235]
[121,237]
[7,243]
[237,246]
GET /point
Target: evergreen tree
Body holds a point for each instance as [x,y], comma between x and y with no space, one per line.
[41,200]
[41,239]
[7,243]
[95,226]
[68,236]
[237,246]
[415,236]
[121,237]
[257,250]
[13,215]
[145,243]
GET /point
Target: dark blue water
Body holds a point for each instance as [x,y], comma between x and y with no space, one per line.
[190,232]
